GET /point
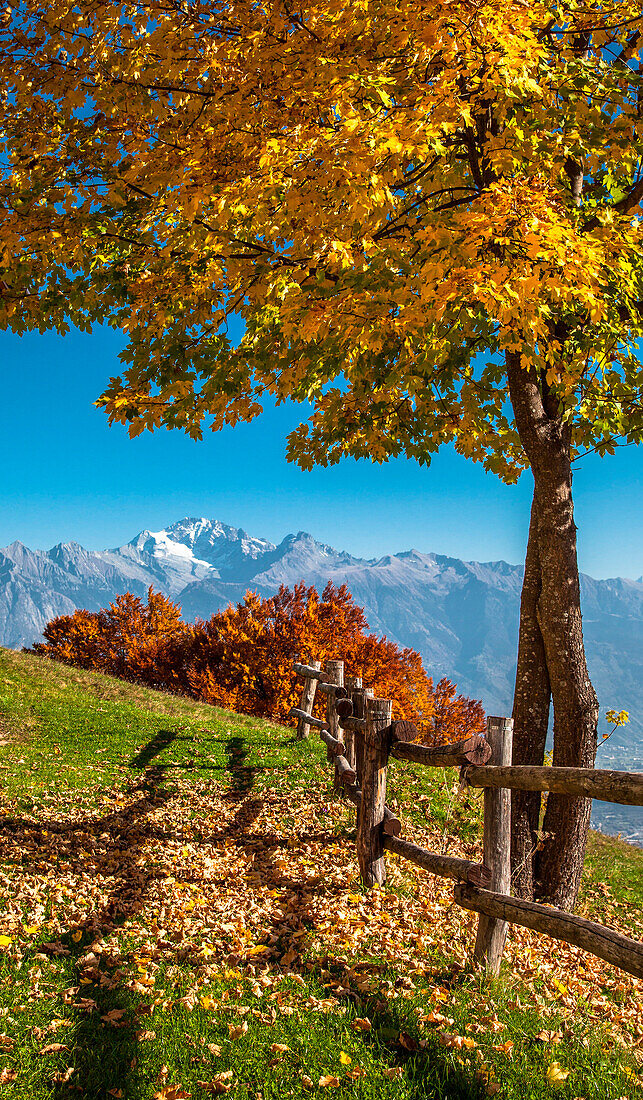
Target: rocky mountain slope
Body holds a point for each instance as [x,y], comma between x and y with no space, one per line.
[461,616]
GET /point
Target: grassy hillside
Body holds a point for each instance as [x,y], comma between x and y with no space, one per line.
[182,917]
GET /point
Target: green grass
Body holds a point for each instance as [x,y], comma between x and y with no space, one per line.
[188,871]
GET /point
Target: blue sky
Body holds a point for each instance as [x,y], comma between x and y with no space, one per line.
[68,476]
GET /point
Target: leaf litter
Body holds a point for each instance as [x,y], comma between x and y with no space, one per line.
[193,885]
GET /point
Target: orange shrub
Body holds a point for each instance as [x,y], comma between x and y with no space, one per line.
[130,639]
[242,657]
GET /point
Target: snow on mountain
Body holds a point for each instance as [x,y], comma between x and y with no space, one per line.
[191,550]
[461,616]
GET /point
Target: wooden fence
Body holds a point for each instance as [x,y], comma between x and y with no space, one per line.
[360,735]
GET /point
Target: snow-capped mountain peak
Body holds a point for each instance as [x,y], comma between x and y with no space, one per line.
[462,617]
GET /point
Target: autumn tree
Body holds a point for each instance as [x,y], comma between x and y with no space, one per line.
[75,639]
[426,217]
[242,657]
[143,642]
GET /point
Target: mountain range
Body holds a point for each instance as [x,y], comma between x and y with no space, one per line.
[461,616]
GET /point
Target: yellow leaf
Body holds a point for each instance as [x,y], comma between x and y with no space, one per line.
[5,941]
[344,1058]
[328,1081]
[76,936]
[258,950]
[556,1075]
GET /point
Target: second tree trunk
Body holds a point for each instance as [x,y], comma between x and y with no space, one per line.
[551,655]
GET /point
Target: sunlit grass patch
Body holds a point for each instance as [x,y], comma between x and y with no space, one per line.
[182,916]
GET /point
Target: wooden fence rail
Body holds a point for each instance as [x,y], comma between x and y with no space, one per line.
[360,735]
[606,786]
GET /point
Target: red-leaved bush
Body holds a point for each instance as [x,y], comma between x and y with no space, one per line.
[242,658]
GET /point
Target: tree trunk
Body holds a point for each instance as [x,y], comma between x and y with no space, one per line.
[545,437]
[531,718]
[560,863]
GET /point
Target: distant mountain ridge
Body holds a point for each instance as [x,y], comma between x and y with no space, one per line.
[461,616]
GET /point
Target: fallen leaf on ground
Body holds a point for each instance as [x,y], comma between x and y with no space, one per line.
[219,1084]
[113,1014]
[63,1076]
[362,1024]
[556,1075]
[237,1030]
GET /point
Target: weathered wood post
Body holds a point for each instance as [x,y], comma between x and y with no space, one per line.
[359,697]
[307,701]
[333,674]
[352,683]
[370,851]
[492,933]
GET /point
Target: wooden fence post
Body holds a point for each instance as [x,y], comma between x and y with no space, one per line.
[352,684]
[492,933]
[307,700]
[359,697]
[333,674]
[370,850]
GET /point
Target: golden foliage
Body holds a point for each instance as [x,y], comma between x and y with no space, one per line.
[380,192]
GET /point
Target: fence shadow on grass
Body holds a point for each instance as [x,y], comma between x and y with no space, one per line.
[242,775]
[161,741]
[103,1052]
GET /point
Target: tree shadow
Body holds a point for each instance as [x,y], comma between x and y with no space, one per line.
[104,1048]
[243,776]
[422,1060]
